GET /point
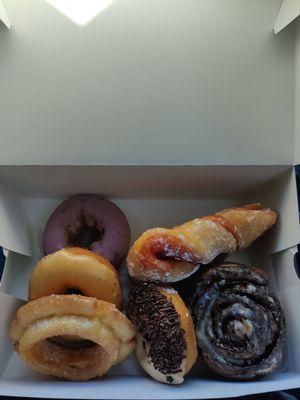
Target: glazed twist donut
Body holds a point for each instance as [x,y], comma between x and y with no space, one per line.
[239,324]
[99,336]
[170,255]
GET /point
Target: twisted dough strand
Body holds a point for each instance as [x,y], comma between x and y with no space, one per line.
[170,255]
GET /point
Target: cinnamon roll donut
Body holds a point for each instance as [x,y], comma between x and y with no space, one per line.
[239,324]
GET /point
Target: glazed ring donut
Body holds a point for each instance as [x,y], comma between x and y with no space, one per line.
[88,221]
[104,336]
[75,270]
[165,342]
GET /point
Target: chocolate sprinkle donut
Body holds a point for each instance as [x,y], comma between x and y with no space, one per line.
[158,322]
[239,324]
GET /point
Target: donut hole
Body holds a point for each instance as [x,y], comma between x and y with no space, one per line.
[71,343]
[74,291]
[87,233]
[85,236]
[79,361]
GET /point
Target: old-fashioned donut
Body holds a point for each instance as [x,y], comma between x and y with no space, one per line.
[105,336]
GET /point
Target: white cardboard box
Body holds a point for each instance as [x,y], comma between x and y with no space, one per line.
[150,196]
[172,109]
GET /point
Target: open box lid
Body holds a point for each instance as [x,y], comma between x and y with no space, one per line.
[288,13]
[172,82]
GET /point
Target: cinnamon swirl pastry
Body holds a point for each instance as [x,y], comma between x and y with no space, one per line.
[170,255]
[239,324]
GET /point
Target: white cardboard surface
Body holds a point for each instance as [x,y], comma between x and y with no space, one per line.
[274,186]
[8,308]
[13,223]
[146,181]
[137,388]
[3,15]
[297,95]
[148,82]
[290,10]
[16,265]
[290,299]
[282,197]
[285,273]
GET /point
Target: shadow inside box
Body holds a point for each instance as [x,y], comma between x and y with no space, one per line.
[2,261]
[288,395]
[209,378]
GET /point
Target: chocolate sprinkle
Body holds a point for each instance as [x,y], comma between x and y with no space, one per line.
[158,322]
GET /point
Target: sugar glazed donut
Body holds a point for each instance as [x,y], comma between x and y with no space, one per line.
[101,336]
[165,342]
[75,270]
[88,221]
[164,255]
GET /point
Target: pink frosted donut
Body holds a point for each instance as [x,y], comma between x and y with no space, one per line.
[88,221]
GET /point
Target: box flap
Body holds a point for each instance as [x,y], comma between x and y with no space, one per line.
[289,11]
[14,234]
[297,95]
[8,308]
[15,275]
[3,15]
[281,195]
[3,257]
[139,387]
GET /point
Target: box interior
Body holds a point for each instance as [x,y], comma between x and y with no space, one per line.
[150,196]
[150,83]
